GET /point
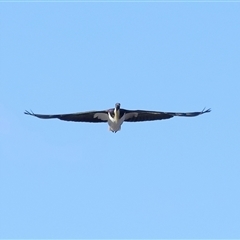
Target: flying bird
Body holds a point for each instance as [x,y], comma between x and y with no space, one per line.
[116,116]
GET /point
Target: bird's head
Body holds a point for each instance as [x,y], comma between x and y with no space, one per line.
[117,106]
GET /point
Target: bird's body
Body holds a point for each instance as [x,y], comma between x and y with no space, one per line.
[116,116]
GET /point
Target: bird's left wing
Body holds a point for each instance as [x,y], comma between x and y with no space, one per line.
[143,115]
[92,116]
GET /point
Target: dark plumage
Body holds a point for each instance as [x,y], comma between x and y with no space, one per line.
[144,115]
[75,117]
[116,116]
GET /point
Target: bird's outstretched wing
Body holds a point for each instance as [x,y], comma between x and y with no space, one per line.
[142,115]
[92,116]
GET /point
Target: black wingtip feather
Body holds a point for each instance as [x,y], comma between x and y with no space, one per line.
[29,113]
[206,111]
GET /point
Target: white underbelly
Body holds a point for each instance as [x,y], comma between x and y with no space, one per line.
[115,125]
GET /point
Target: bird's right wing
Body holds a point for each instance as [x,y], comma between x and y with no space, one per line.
[92,116]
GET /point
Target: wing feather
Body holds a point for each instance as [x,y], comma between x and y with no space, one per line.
[92,116]
[143,115]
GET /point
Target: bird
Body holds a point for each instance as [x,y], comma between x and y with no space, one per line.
[116,116]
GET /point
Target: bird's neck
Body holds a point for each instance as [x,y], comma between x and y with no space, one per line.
[116,114]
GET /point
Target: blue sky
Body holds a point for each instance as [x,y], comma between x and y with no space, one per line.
[176,178]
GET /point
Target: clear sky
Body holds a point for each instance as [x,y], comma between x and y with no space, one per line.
[176,178]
